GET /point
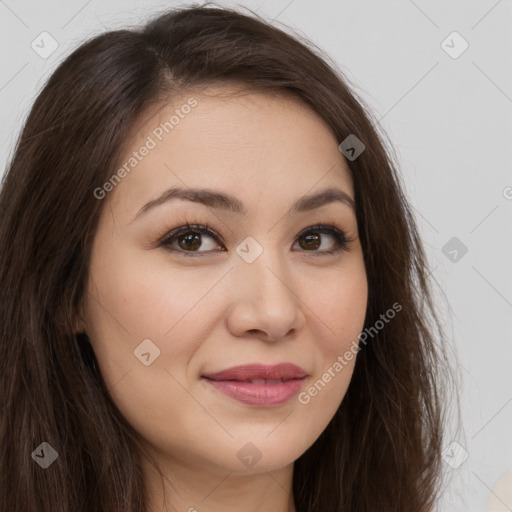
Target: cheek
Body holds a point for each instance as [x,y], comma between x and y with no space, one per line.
[338,311]
[137,298]
[339,306]
[136,301]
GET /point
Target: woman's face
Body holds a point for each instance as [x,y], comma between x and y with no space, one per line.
[253,291]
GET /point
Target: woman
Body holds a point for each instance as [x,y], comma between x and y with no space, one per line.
[291,365]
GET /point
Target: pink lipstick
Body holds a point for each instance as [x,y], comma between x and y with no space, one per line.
[259,384]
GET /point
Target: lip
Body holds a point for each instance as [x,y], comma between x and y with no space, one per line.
[287,379]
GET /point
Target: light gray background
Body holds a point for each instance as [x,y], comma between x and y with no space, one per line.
[450,120]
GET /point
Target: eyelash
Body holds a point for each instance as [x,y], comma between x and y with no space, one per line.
[339,236]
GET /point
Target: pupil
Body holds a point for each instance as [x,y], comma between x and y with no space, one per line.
[188,239]
[312,239]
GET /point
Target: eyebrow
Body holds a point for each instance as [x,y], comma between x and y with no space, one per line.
[223,201]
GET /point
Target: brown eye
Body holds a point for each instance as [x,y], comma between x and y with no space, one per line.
[311,242]
[311,239]
[189,239]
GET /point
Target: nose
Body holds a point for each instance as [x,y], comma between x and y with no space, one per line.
[264,303]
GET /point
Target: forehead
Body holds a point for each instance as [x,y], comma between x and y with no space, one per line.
[260,145]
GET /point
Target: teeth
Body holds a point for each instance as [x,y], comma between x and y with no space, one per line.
[266,381]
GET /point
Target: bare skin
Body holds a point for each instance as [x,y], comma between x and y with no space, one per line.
[212,311]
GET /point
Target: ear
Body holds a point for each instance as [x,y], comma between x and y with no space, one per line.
[79,324]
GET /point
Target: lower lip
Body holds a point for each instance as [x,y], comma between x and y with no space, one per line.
[263,395]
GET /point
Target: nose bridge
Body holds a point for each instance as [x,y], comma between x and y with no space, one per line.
[264,296]
[263,265]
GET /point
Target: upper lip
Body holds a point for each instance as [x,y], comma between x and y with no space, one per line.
[284,371]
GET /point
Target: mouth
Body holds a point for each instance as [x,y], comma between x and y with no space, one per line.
[259,385]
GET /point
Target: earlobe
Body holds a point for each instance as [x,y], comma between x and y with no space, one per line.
[79,324]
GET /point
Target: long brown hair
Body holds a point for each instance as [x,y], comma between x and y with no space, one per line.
[381,451]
